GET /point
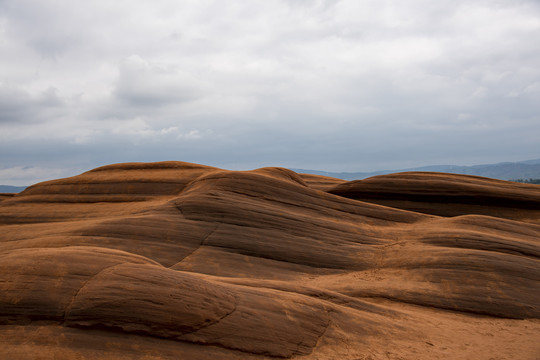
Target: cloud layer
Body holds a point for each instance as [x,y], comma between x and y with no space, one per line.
[336,85]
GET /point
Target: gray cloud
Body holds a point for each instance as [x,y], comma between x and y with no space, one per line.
[18,106]
[143,84]
[336,85]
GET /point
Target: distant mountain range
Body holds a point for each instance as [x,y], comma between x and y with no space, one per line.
[529,169]
[11,189]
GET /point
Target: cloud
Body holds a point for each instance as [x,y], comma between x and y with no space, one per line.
[337,85]
[145,84]
[18,106]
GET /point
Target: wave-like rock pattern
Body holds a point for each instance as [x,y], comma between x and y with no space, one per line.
[173,260]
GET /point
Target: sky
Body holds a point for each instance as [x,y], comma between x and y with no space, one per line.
[350,85]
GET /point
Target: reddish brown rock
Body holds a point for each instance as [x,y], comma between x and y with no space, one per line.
[5,196]
[176,260]
[446,194]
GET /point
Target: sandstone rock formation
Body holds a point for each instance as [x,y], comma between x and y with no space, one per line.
[175,260]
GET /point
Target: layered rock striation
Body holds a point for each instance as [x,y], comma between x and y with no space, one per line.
[173,260]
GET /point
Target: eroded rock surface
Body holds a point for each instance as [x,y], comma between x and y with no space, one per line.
[178,260]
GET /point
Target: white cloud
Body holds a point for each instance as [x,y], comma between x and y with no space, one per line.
[193,134]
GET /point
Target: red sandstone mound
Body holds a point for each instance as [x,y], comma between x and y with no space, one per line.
[446,194]
[175,260]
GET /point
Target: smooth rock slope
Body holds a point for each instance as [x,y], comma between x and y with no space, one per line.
[175,260]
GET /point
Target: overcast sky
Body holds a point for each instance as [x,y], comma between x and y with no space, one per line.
[351,85]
